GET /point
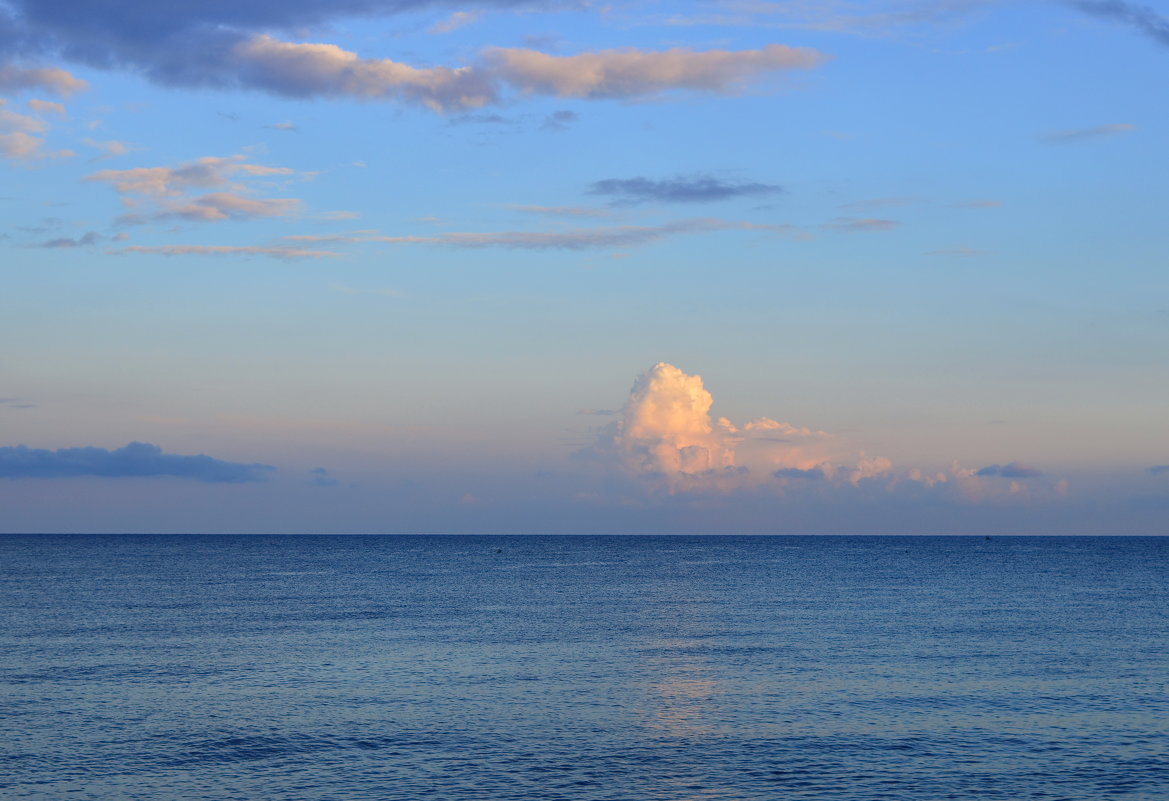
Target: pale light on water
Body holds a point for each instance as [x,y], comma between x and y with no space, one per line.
[671,669]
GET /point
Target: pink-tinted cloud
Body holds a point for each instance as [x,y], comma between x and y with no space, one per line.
[161,193]
[231,250]
[49,79]
[632,73]
[302,69]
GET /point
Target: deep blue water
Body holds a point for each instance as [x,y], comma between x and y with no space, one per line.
[215,668]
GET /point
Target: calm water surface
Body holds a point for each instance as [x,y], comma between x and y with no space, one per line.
[639,669]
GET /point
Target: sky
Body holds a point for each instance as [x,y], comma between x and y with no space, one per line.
[723,266]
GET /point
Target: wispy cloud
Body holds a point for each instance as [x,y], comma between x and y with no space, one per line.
[862,225]
[109,149]
[617,236]
[22,137]
[636,73]
[1084,134]
[1144,19]
[162,193]
[50,79]
[322,478]
[136,460]
[563,211]
[458,19]
[957,251]
[976,204]
[38,106]
[681,189]
[1159,469]
[1012,470]
[880,203]
[322,70]
[289,253]
[87,240]
[559,120]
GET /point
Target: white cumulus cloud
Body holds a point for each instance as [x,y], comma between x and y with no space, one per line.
[666,435]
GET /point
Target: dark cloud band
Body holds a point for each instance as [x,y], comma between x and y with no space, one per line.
[138,459]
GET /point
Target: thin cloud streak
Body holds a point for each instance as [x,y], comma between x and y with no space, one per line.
[230,250]
[1085,134]
[682,189]
[573,239]
[854,225]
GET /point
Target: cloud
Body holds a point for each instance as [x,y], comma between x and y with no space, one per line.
[324,70]
[161,193]
[89,239]
[666,444]
[138,459]
[456,20]
[667,438]
[22,136]
[231,45]
[231,250]
[683,189]
[50,79]
[815,474]
[109,149]
[880,203]
[854,225]
[563,211]
[572,239]
[480,119]
[624,74]
[559,120]
[209,171]
[1012,470]
[46,107]
[1143,18]
[287,125]
[1084,134]
[976,204]
[957,251]
[1159,469]
[321,478]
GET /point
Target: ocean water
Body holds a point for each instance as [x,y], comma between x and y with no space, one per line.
[213,668]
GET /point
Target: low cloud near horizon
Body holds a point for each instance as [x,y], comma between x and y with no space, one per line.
[668,442]
[136,460]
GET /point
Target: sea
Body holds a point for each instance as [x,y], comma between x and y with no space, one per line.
[344,668]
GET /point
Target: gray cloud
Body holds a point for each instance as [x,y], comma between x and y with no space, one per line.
[814,474]
[682,189]
[572,239]
[854,225]
[170,42]
[1143,18]
[1082,134]
[229,45]
[138,459]
[559,120]
[1158,469]
[286,253]
[321,478]
[1012,470]
[91,238]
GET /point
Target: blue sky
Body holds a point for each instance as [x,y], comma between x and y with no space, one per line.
[394,267]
